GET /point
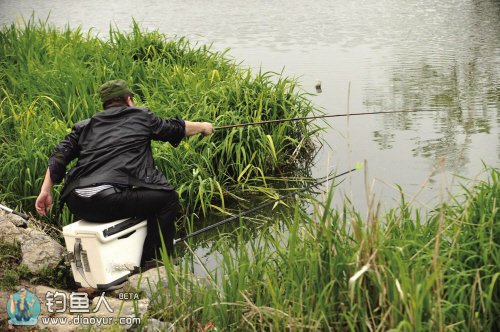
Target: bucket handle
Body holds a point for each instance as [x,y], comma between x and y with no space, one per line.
[77,250]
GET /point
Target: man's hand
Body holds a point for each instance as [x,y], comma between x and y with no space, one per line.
[193,128]
[43,202]
[207,128]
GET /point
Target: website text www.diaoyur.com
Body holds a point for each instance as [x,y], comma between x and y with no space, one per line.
[97,321]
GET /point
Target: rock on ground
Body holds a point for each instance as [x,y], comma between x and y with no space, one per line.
[155,325]
[149,282]
[13,218]
[38,249]
[10,233]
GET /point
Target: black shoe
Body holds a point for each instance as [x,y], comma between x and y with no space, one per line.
[150,264]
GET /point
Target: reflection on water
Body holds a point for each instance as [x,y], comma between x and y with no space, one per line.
[466,108]
[449,61]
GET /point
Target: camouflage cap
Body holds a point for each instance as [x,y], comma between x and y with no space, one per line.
[113,89]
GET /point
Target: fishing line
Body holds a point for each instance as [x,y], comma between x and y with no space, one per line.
[317,117]
[244,213]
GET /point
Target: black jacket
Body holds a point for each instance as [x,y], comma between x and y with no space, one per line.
[114,147]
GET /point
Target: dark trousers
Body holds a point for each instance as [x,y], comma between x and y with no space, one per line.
[159,207]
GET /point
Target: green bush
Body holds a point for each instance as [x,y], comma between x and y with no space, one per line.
[49,78]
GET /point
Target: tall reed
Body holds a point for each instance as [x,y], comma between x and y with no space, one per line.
[335,271]
[48,81]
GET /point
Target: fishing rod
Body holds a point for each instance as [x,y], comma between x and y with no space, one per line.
[316,117]
[9,210]
[244,213]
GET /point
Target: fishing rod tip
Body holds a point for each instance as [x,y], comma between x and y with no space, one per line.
[359,165]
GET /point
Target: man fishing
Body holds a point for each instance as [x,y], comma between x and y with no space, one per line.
[115,176]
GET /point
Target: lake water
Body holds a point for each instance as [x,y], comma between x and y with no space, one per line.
[370,56]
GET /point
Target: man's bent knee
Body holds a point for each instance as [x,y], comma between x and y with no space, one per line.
[172,200]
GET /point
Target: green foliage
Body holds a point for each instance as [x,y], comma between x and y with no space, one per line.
[10,257]
[332,271]
[48,82]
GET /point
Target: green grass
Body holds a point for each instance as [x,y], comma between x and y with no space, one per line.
[10,257]
[337,271]
[49,78]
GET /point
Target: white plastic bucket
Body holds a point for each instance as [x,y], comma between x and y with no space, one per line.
[103,254]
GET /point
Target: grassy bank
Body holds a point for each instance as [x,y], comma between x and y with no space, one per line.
[48,82]
[332,271]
